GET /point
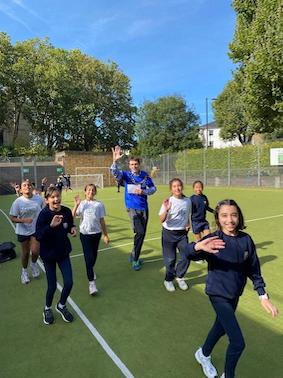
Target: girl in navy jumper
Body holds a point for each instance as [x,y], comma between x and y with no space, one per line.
[200,206]
[53,225]
[228,270]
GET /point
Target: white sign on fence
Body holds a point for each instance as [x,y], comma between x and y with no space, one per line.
[276,156]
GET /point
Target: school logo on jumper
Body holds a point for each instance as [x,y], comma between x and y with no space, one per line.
[65,225]
[246,255]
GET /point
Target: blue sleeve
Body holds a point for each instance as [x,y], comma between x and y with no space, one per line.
[254,272]
[151,188]
[116,172]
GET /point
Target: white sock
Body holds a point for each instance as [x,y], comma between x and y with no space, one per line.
[60,305]
[47,308]
[91,282]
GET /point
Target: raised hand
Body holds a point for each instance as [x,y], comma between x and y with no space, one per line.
[117,153]
[77,200]
[210,245]
[167,204]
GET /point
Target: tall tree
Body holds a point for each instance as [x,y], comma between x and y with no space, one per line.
[257,49]
[230,114]
[69,99]
[166,125]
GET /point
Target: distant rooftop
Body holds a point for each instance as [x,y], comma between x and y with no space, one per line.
[210,125]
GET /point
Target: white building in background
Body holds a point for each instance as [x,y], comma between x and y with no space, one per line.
[210,136]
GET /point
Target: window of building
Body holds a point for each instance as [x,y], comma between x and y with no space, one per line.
[210,143]
[210,132]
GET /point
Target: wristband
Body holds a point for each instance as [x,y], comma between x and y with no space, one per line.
[264,296]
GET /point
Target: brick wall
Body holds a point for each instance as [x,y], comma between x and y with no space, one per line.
[81,163]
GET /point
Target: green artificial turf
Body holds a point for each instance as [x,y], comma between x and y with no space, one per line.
[154,333]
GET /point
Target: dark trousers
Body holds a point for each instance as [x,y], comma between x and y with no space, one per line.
[171,241]
[66,270]
[226,323]
[90,245]
[139,219]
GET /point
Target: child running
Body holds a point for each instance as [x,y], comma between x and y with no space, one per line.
[200,206]
[53,225]
[92,225]
[227,275]
[24,212]
[175,215]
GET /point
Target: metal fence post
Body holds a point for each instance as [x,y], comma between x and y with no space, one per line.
[35,171]
[22,169]
[258,166]
[229,166]
[185,178]
[204,167]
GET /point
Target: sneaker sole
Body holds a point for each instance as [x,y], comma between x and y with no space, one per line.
[45,321]
[94,293]
[63,317]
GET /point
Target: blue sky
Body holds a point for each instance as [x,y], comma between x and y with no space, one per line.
[165,47]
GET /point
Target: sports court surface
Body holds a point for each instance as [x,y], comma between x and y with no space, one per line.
[133,327]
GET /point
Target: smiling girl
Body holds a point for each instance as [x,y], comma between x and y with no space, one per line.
[24,212]
[53,225]
[175,216]
[92,225]
[228,270]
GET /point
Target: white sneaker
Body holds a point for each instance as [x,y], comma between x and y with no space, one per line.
[25,277]
[92,288]
[205,362]
[169,286]
[182,283]
[200,261]
[35,270]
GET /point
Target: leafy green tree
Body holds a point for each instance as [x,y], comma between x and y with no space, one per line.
[69,99]
[166,125]
[230,114]
[257,49]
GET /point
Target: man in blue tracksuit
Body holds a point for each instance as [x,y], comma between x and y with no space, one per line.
[138,185]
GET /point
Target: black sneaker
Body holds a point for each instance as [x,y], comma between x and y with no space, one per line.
[48,317]
[65,313]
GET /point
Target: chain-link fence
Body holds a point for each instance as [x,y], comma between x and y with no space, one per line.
[16,169]
[242,166]
[235,166]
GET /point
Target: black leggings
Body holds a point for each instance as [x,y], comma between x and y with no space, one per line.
[226,323]
[90,245]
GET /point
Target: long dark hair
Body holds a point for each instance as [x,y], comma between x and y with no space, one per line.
[229,202]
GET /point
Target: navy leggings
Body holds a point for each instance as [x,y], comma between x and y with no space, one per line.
[66,270]
[171,241]
[90,245]
[226,323]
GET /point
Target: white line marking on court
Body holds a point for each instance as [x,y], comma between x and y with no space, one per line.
[146,240]
[272,216]
[125,371]
[114,247]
